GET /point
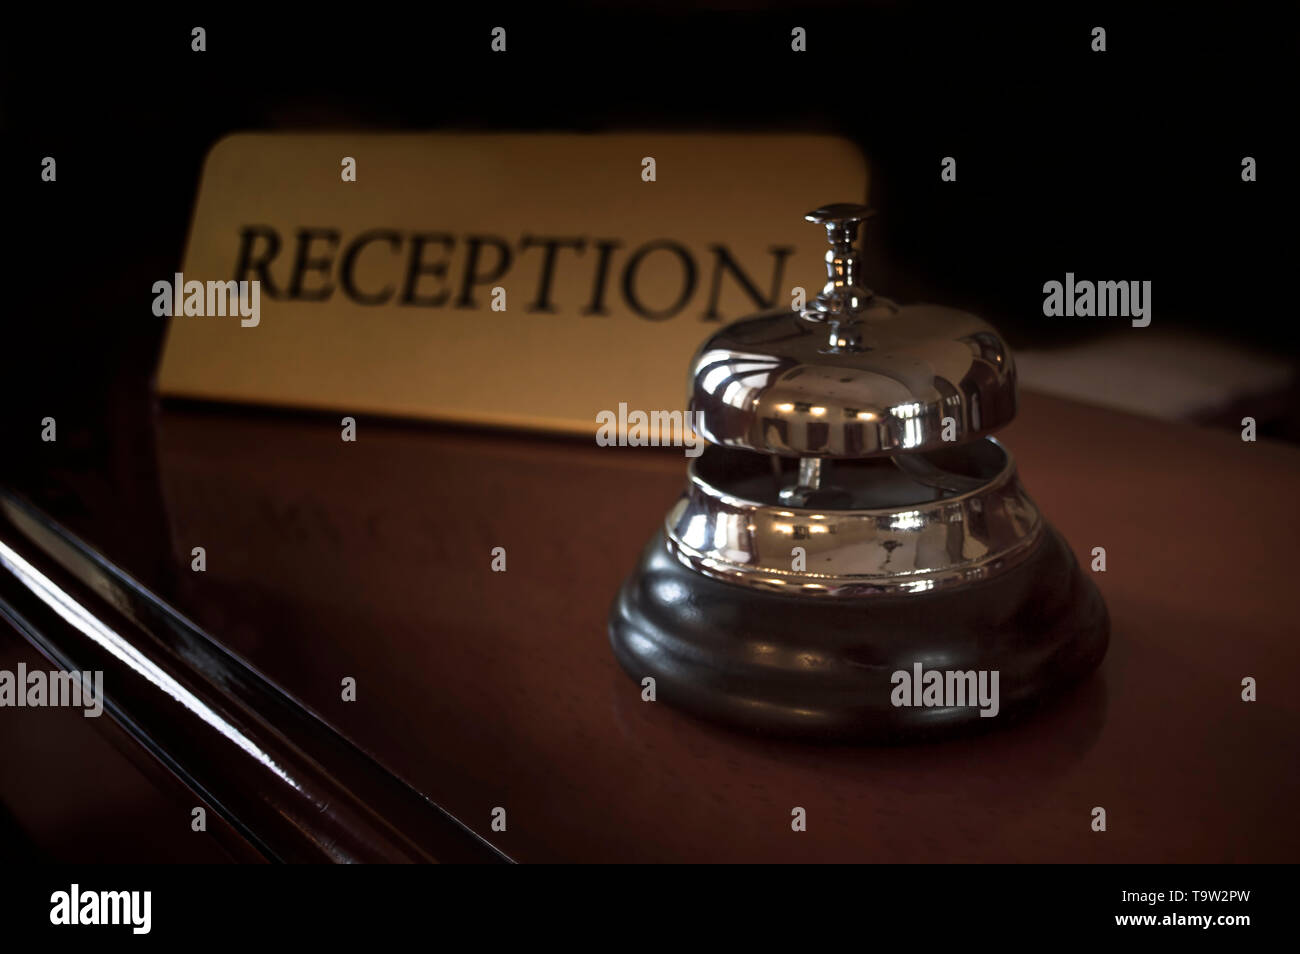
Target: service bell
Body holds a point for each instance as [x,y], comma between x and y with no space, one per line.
[853,556]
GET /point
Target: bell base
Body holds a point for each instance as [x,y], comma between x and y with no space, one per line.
[823,668]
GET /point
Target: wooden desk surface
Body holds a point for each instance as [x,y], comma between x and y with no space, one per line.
[372,560]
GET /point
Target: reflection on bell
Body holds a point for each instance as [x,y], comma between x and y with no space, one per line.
[853,556]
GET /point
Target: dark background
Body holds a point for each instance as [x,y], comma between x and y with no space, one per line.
[1124,164]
